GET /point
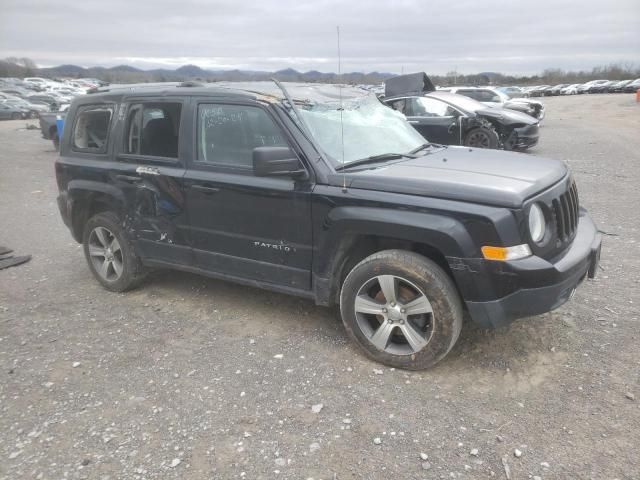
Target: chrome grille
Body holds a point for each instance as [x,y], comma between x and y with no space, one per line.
[565,210]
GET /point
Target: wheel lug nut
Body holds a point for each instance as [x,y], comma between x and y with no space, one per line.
[401,322]
[393,304]
[403,310]
[384,310]
[390,321]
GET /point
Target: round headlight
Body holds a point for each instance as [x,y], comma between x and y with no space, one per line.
[537,225]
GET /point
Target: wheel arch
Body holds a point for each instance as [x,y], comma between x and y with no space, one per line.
[356,232]
[89,198]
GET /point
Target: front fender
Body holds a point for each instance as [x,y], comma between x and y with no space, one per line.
[344,226]
[446,234]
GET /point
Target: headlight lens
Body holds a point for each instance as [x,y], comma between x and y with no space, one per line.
[537,225]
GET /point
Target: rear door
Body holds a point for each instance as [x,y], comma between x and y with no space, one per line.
[151,174]
[436,120]
[242,225]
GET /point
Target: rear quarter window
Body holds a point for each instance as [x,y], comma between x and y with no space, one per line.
[91,128]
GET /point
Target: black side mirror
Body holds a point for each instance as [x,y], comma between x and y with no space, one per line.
[276,161]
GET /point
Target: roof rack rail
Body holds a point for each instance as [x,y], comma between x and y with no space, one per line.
[133,86]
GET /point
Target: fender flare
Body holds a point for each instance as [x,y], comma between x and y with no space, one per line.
[441,232]
[81,193]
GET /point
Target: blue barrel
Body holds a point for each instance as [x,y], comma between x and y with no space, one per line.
[59,125]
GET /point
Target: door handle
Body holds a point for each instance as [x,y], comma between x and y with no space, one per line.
[205,189]
[147,171]
[129,178]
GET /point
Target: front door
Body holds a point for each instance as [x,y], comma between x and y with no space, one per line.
[434,119]
[241,225]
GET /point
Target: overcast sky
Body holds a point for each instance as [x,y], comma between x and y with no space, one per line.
[431,35]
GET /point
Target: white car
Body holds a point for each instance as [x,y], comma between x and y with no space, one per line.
[495,98]
[571,89]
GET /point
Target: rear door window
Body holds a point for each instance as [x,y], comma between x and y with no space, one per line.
[91,129]
[153,129]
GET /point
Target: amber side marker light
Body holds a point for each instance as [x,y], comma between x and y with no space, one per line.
[506,253]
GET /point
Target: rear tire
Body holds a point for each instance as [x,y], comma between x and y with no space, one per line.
[402,309]
[482,137]
[111,258]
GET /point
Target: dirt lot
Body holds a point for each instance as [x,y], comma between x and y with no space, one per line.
[191,378]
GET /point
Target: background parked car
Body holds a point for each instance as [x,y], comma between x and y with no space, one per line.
[493,97]
[586,88]
[618,87]
[539,91]
[557,89]
[513,92]
[451,119]
[602,87]
[54,102]
[33,109]
[633,86]
[571,89]
[10,112]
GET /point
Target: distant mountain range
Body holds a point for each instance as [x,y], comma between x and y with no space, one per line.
[126,73]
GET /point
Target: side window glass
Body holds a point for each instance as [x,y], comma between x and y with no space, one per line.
[153,129]
[227,134]
[399,105]
[430,107]
[91,129]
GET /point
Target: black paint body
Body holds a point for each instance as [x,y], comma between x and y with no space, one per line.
[302,234]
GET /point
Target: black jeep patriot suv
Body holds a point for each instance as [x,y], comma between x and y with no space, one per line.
[325,193]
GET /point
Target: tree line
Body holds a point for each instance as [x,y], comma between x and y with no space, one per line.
[25,67]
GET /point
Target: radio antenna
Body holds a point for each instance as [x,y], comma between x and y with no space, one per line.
[341,109]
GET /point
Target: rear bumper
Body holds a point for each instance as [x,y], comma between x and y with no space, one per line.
[65,208]
[534,285]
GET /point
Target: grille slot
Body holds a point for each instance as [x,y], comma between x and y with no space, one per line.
[565,210]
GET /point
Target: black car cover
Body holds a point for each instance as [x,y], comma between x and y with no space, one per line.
[409,83]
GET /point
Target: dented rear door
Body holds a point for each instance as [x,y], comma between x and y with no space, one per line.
[150,174]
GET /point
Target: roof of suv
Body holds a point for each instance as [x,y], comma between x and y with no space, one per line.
[265,91]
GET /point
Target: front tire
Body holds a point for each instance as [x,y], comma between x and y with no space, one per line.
[111,258]
[402,309]
[482,137]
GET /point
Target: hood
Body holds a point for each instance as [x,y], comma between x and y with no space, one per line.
[409,83]
[507,116]
[525,100]
[489,177]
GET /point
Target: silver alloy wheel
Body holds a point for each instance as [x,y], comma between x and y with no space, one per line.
[105,254]
[394,314]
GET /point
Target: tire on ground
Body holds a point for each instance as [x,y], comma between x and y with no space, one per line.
[133,271]
[432,280]
[487,136]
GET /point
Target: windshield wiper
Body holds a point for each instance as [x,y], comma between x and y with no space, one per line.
[425,146]
[375,159]
[421,147]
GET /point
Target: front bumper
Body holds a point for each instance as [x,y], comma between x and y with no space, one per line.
[532,285]
[524,137]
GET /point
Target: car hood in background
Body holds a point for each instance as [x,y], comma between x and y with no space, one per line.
[507,116]
[489,177]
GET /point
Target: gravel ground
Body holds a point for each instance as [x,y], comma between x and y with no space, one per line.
[192,378]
